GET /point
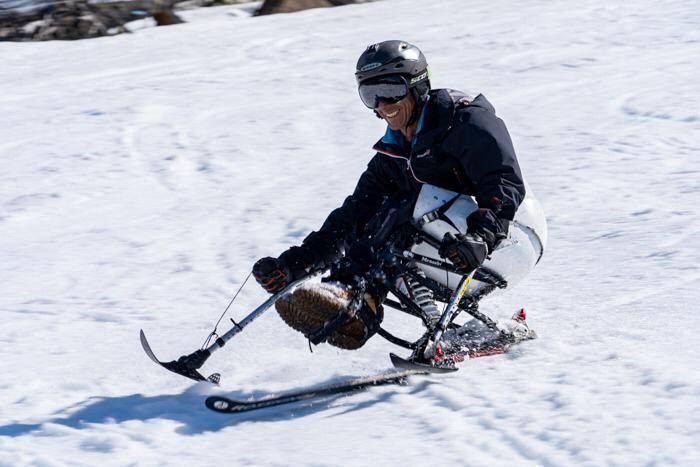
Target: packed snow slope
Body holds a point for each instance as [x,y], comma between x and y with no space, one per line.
[143,174]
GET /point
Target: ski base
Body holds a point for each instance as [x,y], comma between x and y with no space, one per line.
[224,404]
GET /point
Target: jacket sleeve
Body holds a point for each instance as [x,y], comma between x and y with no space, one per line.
[349,220]
[488,159]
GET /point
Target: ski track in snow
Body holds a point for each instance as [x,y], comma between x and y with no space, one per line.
[145,173]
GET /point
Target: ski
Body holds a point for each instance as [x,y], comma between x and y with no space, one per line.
[186,365]
[223,404]
[408,365]
[446,362]
[470,345]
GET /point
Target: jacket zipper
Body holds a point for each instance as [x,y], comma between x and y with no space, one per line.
[408,163]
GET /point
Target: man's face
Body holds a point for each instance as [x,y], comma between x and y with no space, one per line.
[397,114]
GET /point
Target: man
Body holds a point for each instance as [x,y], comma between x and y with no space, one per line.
[440,137]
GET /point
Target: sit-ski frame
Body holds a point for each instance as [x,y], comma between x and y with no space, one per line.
[424,348]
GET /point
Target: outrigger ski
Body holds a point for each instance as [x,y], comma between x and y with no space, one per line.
[225,404]
[188,365]
[185,365]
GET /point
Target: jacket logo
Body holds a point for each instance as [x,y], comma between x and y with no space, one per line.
[425,153]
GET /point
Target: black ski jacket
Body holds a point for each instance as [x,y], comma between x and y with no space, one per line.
[460,145]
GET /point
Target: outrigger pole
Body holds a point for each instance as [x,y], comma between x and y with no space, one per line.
[187,365]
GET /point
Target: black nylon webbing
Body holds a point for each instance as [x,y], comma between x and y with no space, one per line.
[438,213]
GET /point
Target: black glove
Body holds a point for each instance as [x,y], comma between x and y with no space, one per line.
[491,228]
[357,261]
[271,273]
[466,252]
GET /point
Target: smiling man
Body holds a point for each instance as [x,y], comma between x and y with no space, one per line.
[440,137]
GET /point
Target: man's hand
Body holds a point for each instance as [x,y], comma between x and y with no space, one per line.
[466,252]
[271,273]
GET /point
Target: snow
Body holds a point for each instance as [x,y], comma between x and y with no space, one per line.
[8,7]
[143,174]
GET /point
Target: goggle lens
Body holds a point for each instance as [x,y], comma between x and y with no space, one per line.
[390,91]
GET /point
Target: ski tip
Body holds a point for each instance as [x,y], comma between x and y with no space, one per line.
[144,342]
[147,348]
[218,404]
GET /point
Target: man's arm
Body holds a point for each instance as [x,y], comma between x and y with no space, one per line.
[489,161]
[321,248]
[348,221]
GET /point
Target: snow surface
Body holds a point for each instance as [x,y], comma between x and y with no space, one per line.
[8,7]
[143,174]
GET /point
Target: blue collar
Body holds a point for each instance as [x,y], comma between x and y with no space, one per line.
[395,137]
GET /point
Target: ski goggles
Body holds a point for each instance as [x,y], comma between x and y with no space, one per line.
[389,89]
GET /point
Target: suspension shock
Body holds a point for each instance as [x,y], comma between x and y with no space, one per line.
[423,297]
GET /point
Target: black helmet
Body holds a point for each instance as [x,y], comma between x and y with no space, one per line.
[395,58]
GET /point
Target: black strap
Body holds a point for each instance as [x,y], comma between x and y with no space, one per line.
[438,213]
[329,327]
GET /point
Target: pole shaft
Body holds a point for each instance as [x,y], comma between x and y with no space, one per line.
[238,327]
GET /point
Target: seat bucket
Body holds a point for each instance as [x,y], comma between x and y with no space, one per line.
[513,258]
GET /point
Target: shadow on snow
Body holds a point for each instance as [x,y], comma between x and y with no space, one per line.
[188,409]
